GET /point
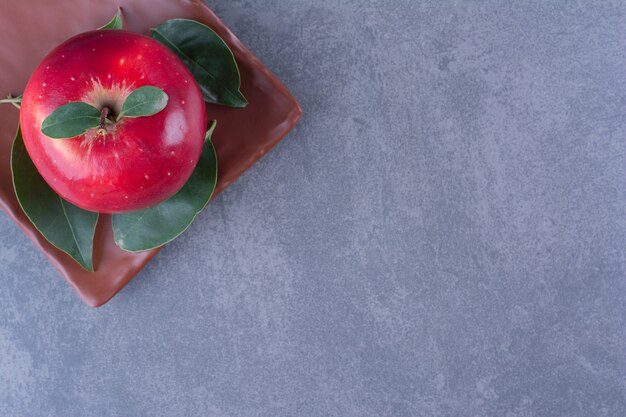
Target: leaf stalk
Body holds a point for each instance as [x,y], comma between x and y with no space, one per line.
[14,101]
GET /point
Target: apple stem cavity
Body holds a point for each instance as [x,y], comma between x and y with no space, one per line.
[14,101]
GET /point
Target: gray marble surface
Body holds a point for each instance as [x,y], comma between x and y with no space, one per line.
[443,234]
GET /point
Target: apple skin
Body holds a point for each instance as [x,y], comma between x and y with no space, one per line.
[141,161]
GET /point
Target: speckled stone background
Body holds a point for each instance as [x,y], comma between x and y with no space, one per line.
[443,234]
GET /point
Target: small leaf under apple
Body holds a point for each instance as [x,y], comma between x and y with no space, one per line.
[116,23]
[66,226]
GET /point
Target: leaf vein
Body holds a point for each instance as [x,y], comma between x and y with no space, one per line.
[69,223]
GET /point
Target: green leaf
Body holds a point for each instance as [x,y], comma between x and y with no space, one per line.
[153,227]
[64,225]
[208,58]
[115,23]
[71,120]
[144,101]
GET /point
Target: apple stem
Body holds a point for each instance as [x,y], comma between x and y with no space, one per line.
[102,130]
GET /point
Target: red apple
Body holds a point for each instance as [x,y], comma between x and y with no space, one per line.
[138,162]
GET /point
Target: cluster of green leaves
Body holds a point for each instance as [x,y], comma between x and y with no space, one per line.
[71,228]
[75,118]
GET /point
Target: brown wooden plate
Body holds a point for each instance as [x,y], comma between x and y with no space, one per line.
[31,29]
